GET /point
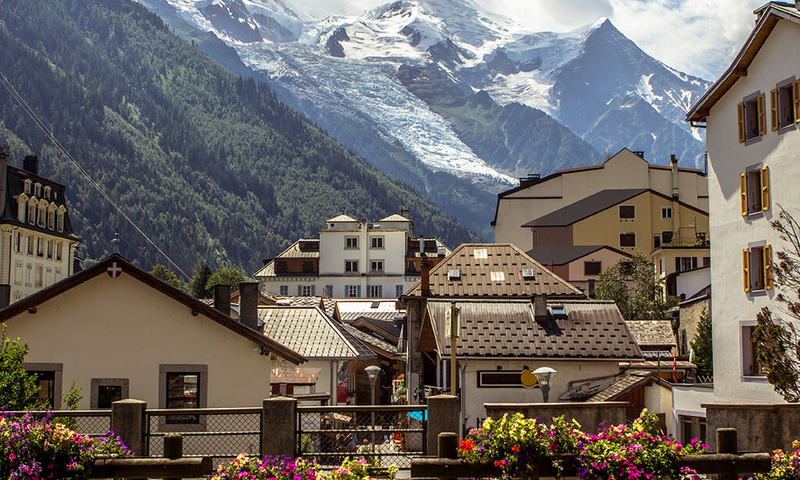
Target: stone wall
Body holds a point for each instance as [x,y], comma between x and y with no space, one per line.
[762,427]
[589,415]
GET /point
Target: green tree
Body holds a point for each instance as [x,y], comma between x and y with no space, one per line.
[199,286]
[226,276]
[779,342]
[702,346]
[17,387]
[633,286]
[167,275]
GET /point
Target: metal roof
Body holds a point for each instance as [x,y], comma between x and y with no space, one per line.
[493,270]
[312,333]
[507,328]
[342,218]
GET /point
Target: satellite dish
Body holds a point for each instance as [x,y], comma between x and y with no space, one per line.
[528,379]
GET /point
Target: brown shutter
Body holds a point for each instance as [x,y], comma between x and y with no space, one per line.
[746,269]
[765,188]
[740,117]
[796,95]
[768,267]
[773,109]
[762,115]
[743,191]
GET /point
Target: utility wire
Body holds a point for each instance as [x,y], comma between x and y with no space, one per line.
[49,134]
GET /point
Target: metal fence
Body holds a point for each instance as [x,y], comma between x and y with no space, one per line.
[222,433]
[94,423]
[389,435]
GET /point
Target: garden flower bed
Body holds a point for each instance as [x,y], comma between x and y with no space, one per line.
[287,468]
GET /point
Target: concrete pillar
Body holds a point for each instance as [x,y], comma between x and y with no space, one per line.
[222,298]
[248,304]
[129,422]
[443,416]
[278,425]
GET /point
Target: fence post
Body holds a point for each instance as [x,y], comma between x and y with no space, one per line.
[129,423]
[278,426]
[173,448]
[443,416]
[727,442]
[448,444]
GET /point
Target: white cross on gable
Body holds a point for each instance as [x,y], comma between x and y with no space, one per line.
[114,270]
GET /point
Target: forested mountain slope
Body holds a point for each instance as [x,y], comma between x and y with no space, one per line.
[212,166]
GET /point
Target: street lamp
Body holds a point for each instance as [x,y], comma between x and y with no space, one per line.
[543,376]
[372,372]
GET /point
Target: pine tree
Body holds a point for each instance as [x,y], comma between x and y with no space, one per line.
[164,273]
[702,346]
[199,287]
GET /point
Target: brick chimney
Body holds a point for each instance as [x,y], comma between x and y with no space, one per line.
[248,304]
[31,164]
[425,276]
[222,298]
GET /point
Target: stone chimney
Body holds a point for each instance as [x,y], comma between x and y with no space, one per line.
[248,304]
[222,298]
[673,161]
[540,306]
[425,277]
[31,164]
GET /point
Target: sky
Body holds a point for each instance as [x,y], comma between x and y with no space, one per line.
[698,37]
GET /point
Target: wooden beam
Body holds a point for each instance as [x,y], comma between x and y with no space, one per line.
[740,72]
[152,468]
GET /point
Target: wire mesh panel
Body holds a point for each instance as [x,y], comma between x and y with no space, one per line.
[387,435]
[94,423]
[222,433]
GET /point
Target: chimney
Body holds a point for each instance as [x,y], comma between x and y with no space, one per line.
[405,211]
[5,296]
[425,276]
[540,306]
[675,186]
[248,304]
[31,164]
[222,298]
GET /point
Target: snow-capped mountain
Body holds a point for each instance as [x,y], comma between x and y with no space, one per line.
[405,86]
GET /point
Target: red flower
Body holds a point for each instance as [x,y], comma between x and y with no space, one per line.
[515,448]
[466,445]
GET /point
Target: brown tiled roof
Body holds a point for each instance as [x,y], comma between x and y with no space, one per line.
[633,380]
[372,340]
[651,333]
[311,333]
[493,270]
[294,251]
[506,328]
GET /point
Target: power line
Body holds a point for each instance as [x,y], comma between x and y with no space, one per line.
[49,134]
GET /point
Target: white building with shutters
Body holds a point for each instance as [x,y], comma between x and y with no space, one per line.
[752,116]
[353,259]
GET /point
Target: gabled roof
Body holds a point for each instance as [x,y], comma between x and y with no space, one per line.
[349,310]
[311,332]
[373,342]
[394,218]
[769,16]
[117,261]
[342,218]
[562,255]
[507,328]
[634,380]
[703,294]
[295,250]
[652,333]
[492,270]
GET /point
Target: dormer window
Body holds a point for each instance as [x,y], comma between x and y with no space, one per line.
[32,205]
[22,207]
[42,213]
[37,189]
[27,187]
[60,218]
[51,216]
[47,192]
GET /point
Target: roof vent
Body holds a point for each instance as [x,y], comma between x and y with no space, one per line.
[480,253]
[527,274]
[454,274]
[497,276]
[375,305]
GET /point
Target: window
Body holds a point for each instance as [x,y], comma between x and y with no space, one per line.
[627,211]
[38,272]
[592,268]
[750,364]
[627,239]
[37,189]
[667,237]
[376,266]
[39,247]
[329,291]
[49,249]
[350,243]
[308,267]
[51,216]
[18,272]
[183,386]
[352,291]
[60,220]
[685,263]
[351,265]
[41,215]
[18,242]
[784,102]
[22,205]
[48,276]
[398,290]
[499,379]
[281,267]
[752,117]
[28,184]
[58,274]
[284,290]
[59,245]
[32,211]
[48,379]
[757,268]
[376,242]
[105,391]
[754,190]
[666,213]
[706,261]
[29,275]
[656,241]
[305,290]
[47,192]
[376,291]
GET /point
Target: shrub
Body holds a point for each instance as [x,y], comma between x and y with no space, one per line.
[785,466]
[278,467]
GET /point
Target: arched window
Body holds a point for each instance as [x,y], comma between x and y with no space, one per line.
[37,189]
[51,216]
[28,184]
[60,218]
[42,213]
[32,204]
[22,207]
[47,192]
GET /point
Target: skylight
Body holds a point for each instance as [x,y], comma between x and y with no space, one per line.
[497,276]
[454,273]
[480,254]
[527,273]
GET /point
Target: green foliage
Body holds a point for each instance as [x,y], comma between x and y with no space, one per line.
[17,387]
[702,345]
[785,465]
[163,273]
[226,276]
[632,285]
[199,284]
[211,165]
[70,401]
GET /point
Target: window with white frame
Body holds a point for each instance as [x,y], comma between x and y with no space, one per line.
[376,265]
[30,245]
[757,268]
[350,243]
[283,290]
[18,272]
[376,291]
[27,186]
[351,266]
[59,246]
[353,291]
[18,242]
[57,274]
[38,276]
[29,275]
[376,242]
[306,290]
[328,291]
[666,213]
[37,189]
[32,211]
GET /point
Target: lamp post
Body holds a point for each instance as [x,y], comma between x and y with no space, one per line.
[372,373]
[544,375]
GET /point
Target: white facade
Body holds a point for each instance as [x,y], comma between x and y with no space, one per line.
[741,288]
[32,260]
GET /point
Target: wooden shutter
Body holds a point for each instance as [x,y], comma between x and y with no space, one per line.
[765,188]
[773,109]
[796,95]
[746,269]
[768,267]
[762,115]
[743,191]
[740,118]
